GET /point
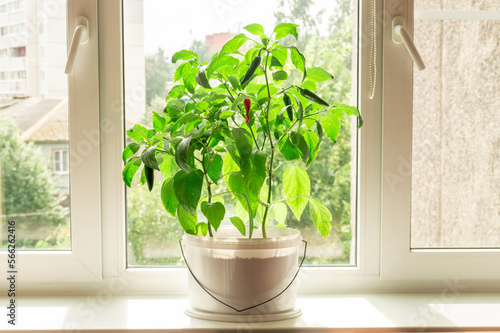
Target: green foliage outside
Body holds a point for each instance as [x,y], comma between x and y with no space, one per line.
[159,70]
[28,194]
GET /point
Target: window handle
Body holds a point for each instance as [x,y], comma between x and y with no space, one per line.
[400,34]
[80,36]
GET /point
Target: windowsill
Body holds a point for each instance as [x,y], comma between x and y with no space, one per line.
[368,312]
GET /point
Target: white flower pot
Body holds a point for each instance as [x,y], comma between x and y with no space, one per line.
[242,273]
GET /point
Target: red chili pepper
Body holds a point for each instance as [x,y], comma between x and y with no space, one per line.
[247,104]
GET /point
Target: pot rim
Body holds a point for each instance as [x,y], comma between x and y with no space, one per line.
[228,237]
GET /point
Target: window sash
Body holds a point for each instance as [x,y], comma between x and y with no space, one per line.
[83,262]
[398,260]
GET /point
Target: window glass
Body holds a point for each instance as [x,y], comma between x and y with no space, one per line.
[326,38]
[456,126]
[17,28]
[34,138]
[18,51]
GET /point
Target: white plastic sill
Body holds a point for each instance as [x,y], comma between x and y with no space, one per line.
[357,313]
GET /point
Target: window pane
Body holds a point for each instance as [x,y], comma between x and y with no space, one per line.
[34,190]
[456,126]
[326,39]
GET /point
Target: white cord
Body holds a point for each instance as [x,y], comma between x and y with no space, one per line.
[373,50]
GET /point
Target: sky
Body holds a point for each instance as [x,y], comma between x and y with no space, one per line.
[173,25]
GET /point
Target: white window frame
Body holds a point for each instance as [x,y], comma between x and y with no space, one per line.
[398,260]
[384,260]
[53,269]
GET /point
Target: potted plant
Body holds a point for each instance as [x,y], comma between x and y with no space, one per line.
[220,133]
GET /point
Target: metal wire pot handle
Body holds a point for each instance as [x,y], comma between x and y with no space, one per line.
[250,307]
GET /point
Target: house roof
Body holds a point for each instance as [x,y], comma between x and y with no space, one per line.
[39,119]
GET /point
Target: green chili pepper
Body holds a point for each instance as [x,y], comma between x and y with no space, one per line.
[312,96]
[288,104]
[150,176]
[251,70]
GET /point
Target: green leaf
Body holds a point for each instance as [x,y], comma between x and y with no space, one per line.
[214,212]
[239,224]
[298,141]
[182,70]
[264,39]
[187,220]
[279,57]
[159,122]
[289,151]
[263,95]
[176,92]
[174,109]
[184,55]
[279,212]
[297,188]
[189,80]
[130,169]
[184,155]
[276,63]
[168,166]
[226,114]
[243,142]
[285,29]
[142,180]
[168,197]
[187,118]
[228,167]
[298,60]
[222,64]
[347,109]
[331,125]
[202,79]
[254,171]
[313,142]
[201,229]
[254,29]
[350,111]
[149,158]
[214,168]
[187,186]
[318,74]
[321,217]
[234,44]
[308,84]
[138,133]
[130,151]
[235,83]
[280,76]
[236,184]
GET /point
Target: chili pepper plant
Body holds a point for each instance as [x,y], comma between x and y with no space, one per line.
[224,124]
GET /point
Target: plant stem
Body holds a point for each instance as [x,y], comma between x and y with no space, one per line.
[269,191]
[209,189]
[270,168]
